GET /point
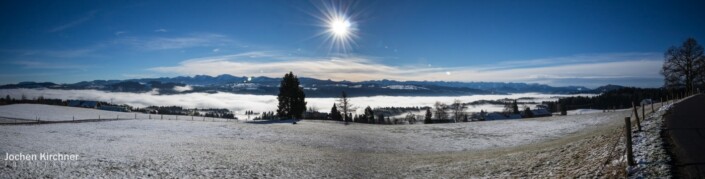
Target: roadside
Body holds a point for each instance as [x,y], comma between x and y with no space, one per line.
[685,134]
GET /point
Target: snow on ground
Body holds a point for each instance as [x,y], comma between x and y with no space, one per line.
[56,113]
[64,113]
[583,111]
[311,149]
[648,147]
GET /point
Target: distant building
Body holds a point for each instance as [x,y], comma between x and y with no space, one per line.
[646,101]
[541,112]
[114,108]
[514,116]
[81,103]
[501,116]
[495,116]
[315,115]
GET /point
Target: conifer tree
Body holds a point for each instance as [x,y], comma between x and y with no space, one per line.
[292,100]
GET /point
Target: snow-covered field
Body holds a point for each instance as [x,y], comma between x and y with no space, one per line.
[184,148]
[63,113]
[583,111]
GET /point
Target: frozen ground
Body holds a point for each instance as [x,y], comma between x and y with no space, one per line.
[649,153]
[564,146]
[27,112]
[583,111]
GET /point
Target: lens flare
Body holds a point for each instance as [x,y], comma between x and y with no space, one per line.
[340,28]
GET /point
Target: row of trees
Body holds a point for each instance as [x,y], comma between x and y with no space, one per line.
[615,99]
[684,67]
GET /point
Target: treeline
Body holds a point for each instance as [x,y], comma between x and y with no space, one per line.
[615,99]
[39,100]
[178,110]
[395,111]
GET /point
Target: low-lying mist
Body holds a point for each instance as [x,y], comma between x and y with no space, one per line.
[259,103]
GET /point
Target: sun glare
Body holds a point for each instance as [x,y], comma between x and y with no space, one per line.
[339,26]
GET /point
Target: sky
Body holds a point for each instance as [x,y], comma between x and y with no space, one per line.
[559,43]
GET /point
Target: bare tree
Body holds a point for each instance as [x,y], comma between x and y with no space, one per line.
[345,106]
[458,109]
[684,66]
[440,112]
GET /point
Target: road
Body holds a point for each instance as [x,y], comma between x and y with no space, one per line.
[685,126]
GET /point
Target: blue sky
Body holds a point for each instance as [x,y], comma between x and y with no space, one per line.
[560,43]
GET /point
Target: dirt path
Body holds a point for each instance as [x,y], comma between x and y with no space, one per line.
[685,126]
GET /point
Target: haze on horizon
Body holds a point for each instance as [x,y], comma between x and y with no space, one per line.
[585,43]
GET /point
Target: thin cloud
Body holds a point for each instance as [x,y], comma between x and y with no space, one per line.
[28,64]
[74,23]
[165,43]
[64,53]
[160,30]
[363,68]
[118,33]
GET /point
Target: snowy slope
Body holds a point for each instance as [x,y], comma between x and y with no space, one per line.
[57,113]
[64,113]
[310,149]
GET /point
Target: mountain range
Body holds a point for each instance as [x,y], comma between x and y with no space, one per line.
[312,87]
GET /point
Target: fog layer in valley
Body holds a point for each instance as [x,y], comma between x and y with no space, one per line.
[258,103]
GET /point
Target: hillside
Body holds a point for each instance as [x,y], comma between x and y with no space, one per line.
[311,149]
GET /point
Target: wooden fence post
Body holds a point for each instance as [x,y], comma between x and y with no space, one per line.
[636,114]
[162,116]
[652,106]
[628,133]
[98,117]
[135,115]
[643,114]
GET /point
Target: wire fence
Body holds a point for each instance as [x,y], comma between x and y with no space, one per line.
[102,117]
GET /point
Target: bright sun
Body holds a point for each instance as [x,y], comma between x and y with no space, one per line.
[340,27]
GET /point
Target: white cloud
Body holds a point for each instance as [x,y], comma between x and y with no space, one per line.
[118,33]
[216,50]
[362,68]
[160,30]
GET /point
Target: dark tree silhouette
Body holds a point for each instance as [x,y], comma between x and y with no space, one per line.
[369,115]
[292,100]
[528,113]
[428,118]
[684,66]
[334,113]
